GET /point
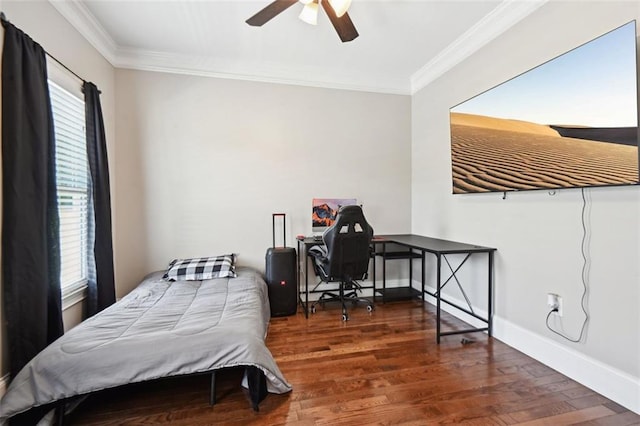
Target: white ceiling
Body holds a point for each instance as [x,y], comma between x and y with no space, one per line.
[403,45]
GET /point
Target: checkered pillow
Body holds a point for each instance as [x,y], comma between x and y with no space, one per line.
[202,268]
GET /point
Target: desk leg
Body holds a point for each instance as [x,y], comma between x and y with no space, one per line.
[490,303]
[384,271]
[374,273]
[306,283]
[299,272]
[423,276]
[302,253]
[300,283]
[410,269]
[438,288]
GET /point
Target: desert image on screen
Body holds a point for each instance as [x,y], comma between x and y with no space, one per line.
[570,122]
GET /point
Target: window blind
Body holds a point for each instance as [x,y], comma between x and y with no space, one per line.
[72,180]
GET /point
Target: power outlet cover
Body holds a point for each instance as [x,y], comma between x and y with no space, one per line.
[555,302]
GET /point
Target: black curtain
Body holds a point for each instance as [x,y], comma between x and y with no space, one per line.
[101,281]
[30,223]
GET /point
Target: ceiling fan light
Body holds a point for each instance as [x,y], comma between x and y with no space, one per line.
[309,13]
[305,1]
[340,6]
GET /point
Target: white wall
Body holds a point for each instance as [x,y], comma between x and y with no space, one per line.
[203,162]
[48,28]
[538,236]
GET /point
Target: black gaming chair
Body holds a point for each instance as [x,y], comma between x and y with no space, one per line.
[344,258]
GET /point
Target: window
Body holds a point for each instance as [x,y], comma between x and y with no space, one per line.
[72,180]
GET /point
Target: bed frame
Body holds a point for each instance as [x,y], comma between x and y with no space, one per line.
[63,382]
[257,392]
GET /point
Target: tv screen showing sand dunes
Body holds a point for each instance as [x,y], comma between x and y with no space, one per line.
[570,122]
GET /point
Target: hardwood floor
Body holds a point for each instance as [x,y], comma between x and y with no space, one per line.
[379,368]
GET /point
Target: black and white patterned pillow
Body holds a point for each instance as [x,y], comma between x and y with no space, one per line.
[201,268]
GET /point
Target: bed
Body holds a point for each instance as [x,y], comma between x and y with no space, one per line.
[160,329]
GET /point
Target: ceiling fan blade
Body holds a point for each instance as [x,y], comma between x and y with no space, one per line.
[343,25]
[270,12]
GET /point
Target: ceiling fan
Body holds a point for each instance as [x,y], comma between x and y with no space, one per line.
[336,11]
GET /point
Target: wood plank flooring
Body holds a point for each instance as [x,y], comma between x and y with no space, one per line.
[378,368]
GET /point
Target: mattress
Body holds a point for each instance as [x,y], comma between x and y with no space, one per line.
[160,329]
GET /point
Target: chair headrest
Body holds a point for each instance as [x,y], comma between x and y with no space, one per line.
[349,220]
[348,244]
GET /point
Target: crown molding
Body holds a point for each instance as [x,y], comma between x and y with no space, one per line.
[500,19]
[201,66]
[88,26]
[496,22]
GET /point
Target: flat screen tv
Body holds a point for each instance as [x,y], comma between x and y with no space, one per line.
[570,122]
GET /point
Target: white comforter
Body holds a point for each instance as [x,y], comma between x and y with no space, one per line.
[160,329]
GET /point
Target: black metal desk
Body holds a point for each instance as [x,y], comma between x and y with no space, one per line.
[304,244]
[418,246]
[442,248]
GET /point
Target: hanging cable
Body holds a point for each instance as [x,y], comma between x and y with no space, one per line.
[586,266]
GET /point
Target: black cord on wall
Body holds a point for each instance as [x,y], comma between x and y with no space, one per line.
[586,266]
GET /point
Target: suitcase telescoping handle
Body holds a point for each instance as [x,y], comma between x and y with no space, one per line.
[284,228]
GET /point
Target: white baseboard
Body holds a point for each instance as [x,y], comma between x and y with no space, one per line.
[608,381]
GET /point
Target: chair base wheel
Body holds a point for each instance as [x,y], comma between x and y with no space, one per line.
[345,317]
[369,308]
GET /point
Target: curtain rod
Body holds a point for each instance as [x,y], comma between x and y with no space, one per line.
[4,19]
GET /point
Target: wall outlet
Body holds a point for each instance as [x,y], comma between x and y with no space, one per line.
[555,302]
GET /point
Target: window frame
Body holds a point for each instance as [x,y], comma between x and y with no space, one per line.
[76,291]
